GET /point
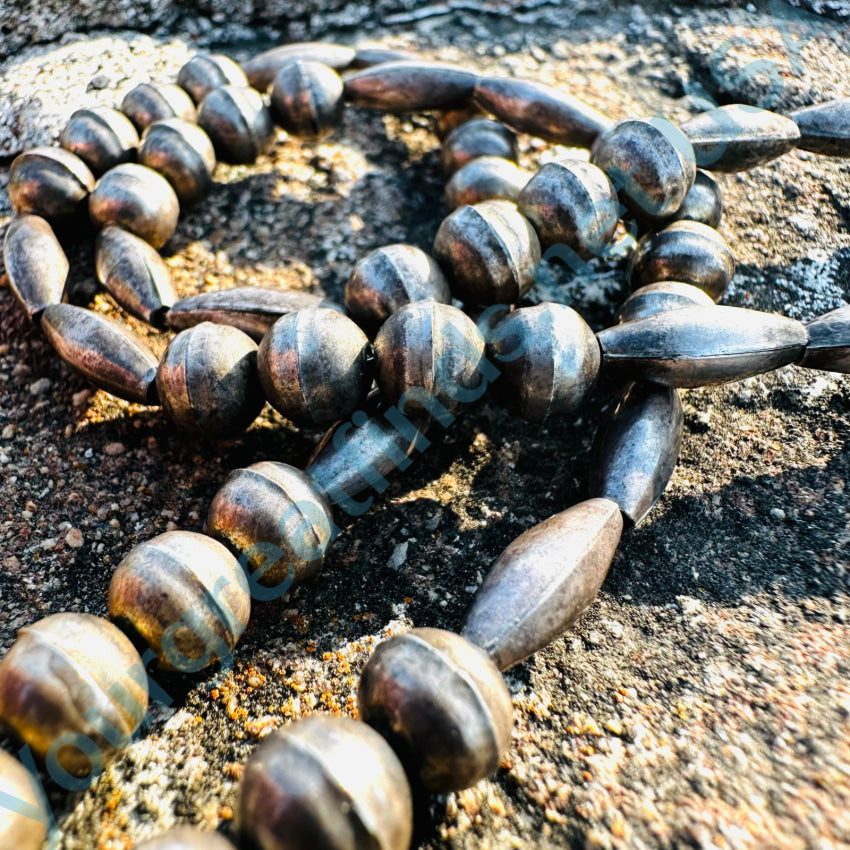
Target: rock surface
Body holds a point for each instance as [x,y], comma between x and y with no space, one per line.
[703,700]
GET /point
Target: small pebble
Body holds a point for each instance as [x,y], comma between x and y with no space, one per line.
[777,514]
[114,449]
[9,432]
[398,557]
[74,538]
[42,385]
[80,398]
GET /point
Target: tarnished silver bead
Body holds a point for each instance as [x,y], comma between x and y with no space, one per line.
[544,581]
[101,137]
[138,199]
[696,346]
[238,122]
[636,448]
[205,72]
[489,252]
[252,309]
[148,102]
[441,704]
[390,277]
[370,55]
[315,367]
[824,127]
[182,153]
[571,203]
[703,203]
[134,274]
[207,381]
[23,813]
[261,69]
[50,182]
[446,120]
[104,352]
[541,110]
[650,162]
[276,521]
[738,137]
[327,782]
[74,689]
[548,358]
[431,354]
[410,86]
[36,265]
[306,99]
[478,137]
[660,297]
[684,251]
[186,838]
[828,346]
[487,178]
[185,596]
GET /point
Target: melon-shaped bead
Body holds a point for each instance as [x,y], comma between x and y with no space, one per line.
[489,252]
[205,72]
[207,381]
[185,595]
[660,297]
[101,137]
[326,782]
[487,178]
[139,200]
[475,138]
[306,99]
[388,278]
[544,581]
[447,120]
[828,345]
[825,127]
[442,705]
[238,122]
[276,521]
[23,813]
[315,367]
[261,69]
[148,102]
[703,203]
[548,358]
[74,689]
[50,182]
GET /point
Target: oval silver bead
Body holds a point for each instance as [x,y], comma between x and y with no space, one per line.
[650,162]
[50,182]
[541,110]
[410,86]
[315,367]
[238,122]
[147,103]
[366,57]
[636,448]
[739,137]
[36,265]
[544,581]
[684,251]
[134,274]
[828,346]
[207,381]
[486,178]
[20,828]
[698,346]
[139,200]
[186,838]
[703,203]
[441,704]
[571,203]
[824,127]
[388,278]
[183,154]
[548,358]
[661,297]
[276,521]
[489,252]
[251,309]
[101,137]
[475,138]
[185,596]
[63,672]
[261,69]
[102,351]
[325,782]
[205,72]
[306,99]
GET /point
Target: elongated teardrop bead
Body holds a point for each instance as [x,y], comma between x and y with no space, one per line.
[102,137]
[134,274]
[738,137]
[35,264]
[251,309]
[825,127]
[661,297]
[697,346]
[107,354]
[367,56]
[23,813]
[50,182]
[410,86]
[541,110]
[186,838]
[261,69]
[828,347]
[636,449]
[147,103]
[205,72]
[544,581]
